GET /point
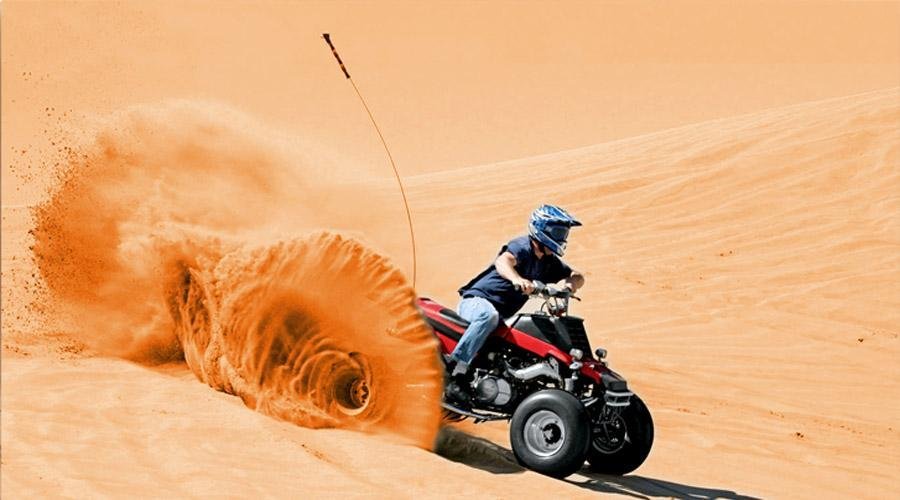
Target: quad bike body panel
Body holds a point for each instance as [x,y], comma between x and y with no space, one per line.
[536,333]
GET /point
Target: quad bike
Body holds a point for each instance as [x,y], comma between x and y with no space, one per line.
[564,404]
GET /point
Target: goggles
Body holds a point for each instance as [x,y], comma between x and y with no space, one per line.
[558,233]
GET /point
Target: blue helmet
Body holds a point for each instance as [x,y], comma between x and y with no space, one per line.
[549,225]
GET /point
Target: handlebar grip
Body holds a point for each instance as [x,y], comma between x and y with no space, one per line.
[537,288]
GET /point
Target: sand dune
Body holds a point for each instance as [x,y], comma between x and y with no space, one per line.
[743,274]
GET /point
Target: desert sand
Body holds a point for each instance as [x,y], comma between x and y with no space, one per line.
[742,245]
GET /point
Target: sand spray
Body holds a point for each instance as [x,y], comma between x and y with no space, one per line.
[188,231]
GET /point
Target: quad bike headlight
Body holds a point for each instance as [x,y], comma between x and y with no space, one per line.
[576,354]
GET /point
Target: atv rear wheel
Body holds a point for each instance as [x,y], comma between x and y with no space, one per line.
[550,433]
[621,446]
[351,390]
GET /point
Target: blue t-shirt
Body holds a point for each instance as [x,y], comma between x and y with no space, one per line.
[500,291]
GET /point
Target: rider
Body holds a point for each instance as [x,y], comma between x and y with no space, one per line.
[503,288]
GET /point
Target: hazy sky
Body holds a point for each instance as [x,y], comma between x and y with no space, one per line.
[451,83]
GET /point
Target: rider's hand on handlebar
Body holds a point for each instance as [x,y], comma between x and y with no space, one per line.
[523,285]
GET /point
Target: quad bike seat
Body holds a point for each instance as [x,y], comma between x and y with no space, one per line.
[454,318]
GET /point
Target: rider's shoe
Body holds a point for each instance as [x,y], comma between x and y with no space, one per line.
[458,392]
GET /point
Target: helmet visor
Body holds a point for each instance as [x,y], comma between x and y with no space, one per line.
[558,233]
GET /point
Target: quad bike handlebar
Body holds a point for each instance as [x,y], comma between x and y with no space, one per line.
[556,300]
[549,291]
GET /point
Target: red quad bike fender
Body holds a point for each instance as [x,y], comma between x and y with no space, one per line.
[432,310]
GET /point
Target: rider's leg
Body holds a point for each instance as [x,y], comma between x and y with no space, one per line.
[483,319]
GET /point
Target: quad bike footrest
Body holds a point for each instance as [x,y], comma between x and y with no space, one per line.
[478,416]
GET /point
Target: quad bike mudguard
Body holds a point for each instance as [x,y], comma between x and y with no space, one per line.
[532,332]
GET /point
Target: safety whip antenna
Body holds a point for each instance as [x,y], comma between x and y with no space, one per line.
[412,236]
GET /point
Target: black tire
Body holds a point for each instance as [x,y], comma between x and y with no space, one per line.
[638,439]
[550,433]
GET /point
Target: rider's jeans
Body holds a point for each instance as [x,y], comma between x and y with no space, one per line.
[483,318]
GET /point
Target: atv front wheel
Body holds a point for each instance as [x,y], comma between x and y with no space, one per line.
[550,433]
[621,446]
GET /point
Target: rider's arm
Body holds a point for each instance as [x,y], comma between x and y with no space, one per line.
[506,267]
[574,281]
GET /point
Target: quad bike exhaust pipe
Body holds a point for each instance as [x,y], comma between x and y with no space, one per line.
[536,370]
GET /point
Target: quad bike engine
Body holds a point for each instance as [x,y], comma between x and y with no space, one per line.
[492,390]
